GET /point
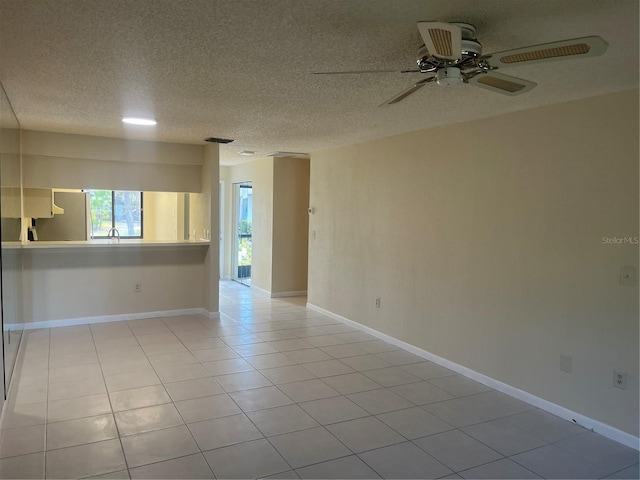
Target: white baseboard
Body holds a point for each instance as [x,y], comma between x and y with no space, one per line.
[4,408]
[301,293]
[14,326]
[66,322]
[557,410]
[261,290]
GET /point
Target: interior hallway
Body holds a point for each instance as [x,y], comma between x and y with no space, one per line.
[270,390]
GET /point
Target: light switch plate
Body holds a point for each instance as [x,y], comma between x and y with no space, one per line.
[565,363]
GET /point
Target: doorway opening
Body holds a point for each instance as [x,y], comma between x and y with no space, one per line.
[243,202]
[221,231]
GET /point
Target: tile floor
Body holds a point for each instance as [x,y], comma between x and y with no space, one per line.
[270,390]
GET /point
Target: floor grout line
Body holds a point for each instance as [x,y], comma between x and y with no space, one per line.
[113,415]
[267,310]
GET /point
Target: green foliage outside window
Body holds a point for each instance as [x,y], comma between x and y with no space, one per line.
[116,209]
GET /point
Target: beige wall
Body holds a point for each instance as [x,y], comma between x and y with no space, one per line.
[55,160]
[12,287]
[290,225]
[260,173]
[160,215]
[484,242]
[226,186]
[280,222]
[9,150]
[88,282]
[210,219]
[89,147]
[229,175]
[10,179]
[72,224]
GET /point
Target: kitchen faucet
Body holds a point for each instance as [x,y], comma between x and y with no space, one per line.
[113,232]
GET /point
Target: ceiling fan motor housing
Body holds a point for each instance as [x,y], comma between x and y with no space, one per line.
[467,31]
[449,76]
[451,55]
[471,48]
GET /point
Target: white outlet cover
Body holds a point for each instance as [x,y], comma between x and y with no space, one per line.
[565,363]
[620,380]
[628,276]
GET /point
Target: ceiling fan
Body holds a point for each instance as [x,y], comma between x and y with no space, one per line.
[451,55]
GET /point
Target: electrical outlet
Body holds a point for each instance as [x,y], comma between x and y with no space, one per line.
[138,287]
[620,380]
[565,363]
[377,302]
[313,234]
[628,276]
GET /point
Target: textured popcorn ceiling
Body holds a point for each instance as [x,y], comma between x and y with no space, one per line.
[241,68]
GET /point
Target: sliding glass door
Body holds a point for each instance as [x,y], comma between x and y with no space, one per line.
[243,201]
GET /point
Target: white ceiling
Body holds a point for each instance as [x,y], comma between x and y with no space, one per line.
[241,69]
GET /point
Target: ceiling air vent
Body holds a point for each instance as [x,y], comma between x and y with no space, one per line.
[218,140]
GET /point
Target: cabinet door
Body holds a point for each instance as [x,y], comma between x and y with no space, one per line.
[38,203]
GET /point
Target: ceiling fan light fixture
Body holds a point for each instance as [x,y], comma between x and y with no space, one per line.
[451,54]
[247,153]
[449,77]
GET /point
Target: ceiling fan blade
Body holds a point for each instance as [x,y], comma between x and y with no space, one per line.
[562,50]
[405,93]
[505,84]
[365,71]
[443,40]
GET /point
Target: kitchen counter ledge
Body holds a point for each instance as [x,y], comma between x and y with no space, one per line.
[105,244]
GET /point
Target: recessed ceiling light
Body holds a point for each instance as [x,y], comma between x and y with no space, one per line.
[139,121]
[247,153]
